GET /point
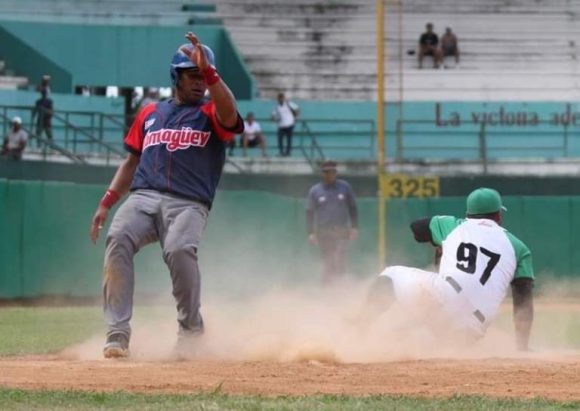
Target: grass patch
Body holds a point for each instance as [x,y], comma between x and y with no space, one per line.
[38,330]
[41,330]
[61,400]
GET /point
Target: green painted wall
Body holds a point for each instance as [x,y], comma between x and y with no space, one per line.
[297,185]
[45,250]
[62,103]
[125,56]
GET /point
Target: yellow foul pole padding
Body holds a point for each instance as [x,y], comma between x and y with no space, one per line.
[380,12]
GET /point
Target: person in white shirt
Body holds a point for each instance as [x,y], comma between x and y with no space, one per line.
[44,85]
[15,141]
[285,114]
[252,135]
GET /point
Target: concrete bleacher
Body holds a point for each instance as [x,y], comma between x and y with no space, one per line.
[325,50]
[13,82]
[124,12]
[10,81]
[516,50]
[98,12]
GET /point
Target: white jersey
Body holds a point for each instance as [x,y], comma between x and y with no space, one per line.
[479,262]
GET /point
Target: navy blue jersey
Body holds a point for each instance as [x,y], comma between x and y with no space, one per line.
[331,206]
[181,149]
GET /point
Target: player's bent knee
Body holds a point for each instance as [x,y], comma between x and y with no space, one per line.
[119,240]
[180,253]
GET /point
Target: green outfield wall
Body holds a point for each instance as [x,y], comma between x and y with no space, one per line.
[298,185]
[252,238]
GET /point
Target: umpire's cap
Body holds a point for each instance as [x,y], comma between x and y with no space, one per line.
[484,201]
[180,60]
[328,165]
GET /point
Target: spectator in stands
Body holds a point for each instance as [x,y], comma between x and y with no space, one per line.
[151,96]
[15,141]
[331,221]
[44,85]
[285,114]
[43,111]
[449,46]
[429,46]
[252,135]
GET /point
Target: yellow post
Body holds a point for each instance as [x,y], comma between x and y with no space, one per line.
[382,208]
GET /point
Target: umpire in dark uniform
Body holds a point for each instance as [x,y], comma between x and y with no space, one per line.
[332,221]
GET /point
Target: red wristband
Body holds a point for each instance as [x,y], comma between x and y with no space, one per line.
[210,76]
[110,199]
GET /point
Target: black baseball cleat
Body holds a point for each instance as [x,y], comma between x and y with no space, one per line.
[117,346]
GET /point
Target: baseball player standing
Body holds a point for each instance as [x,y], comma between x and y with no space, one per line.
[176,155]
[480,261]
[332,220]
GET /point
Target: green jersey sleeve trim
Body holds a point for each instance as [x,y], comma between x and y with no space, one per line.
[441,226]
[524,267]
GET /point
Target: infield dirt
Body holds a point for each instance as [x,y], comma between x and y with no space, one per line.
[304,343]
[556,378]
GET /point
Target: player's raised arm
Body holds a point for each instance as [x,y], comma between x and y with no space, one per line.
[223,98]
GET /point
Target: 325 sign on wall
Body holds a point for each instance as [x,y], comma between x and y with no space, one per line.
[405,186]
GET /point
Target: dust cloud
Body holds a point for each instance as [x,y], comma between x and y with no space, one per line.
[311,324]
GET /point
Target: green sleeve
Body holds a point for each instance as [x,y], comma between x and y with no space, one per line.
[524,267]
[441,226]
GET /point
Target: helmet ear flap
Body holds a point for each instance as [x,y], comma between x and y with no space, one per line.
[174,76]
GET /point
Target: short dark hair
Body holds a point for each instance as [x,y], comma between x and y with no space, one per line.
[328,165]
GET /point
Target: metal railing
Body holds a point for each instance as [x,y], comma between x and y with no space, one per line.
[309,145]
[47,146]
[320,139]
[341,138]
[76,135]
[87,136]
[424,140]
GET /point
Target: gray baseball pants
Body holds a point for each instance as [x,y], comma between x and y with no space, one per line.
[333,243]
[145,217]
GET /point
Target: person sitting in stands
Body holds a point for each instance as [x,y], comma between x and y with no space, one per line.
[429,46]
[252,135]
[449,46]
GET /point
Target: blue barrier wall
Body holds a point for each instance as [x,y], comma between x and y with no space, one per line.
[438,130]
[429,130]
